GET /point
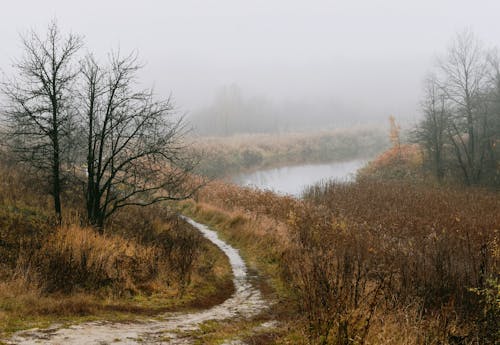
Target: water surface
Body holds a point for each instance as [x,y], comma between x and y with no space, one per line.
[293,179]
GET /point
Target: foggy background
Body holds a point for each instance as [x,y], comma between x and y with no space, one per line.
[278,65]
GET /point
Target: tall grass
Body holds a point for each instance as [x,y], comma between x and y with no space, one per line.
[435,245]
[148,261]
[380,262]
[223,156]
[74,258]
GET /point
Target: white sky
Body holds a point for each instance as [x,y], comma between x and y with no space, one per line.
[373,54]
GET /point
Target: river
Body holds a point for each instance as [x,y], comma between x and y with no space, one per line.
[293,179]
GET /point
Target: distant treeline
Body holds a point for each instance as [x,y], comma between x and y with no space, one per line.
[233,112]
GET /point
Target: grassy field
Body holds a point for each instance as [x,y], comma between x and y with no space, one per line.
[148,262]
[369,262]
[377,261]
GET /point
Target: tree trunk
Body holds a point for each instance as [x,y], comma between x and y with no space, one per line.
[56,183]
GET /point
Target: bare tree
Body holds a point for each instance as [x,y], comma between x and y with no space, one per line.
[431,131]
[40,109]
[135,152]
[491,124]
[461,110]
[466,77]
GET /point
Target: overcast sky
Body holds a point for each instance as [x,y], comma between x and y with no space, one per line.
[373,54]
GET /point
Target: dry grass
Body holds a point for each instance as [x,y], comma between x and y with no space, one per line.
[404,162]
[79,259]
[371,262]
[226,155]
[149,261]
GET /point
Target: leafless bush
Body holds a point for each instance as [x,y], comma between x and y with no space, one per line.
[337,284]
[387,248]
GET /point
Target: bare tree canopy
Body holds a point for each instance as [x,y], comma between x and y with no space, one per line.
[91,122]
[135,153]
[466,81]
[461,111]
[431,131]
[40,111]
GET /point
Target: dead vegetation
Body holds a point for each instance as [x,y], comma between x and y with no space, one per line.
[148,261]
[226,155]
[371,262]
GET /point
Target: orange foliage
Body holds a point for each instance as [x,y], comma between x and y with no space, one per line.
[397,162]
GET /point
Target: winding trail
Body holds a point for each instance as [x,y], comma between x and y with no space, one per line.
[170,328]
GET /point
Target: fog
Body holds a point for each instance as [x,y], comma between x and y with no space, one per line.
[334,60]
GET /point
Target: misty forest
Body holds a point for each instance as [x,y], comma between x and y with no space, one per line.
[189,172]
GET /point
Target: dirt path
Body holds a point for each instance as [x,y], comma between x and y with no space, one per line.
[172,328]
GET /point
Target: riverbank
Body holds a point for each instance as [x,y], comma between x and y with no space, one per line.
[292,180]
[225,156]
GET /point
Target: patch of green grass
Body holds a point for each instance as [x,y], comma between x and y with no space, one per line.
[261,255]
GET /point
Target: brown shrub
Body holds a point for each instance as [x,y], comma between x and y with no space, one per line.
[399,162]
[356,254]
[336,280]
[141,245]
[74,258]
[439,240]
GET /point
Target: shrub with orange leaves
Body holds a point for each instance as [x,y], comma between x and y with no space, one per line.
[399,162]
